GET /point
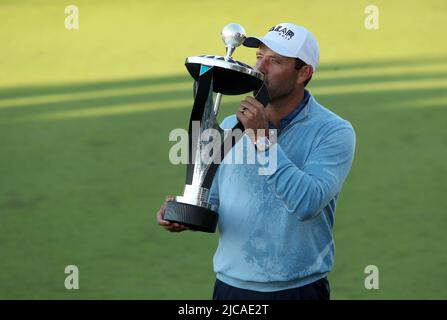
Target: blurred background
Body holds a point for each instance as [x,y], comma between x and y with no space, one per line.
[85,117]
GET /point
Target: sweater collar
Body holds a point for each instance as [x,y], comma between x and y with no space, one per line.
[297,114]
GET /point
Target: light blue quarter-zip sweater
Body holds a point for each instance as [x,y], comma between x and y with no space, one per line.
[275,230]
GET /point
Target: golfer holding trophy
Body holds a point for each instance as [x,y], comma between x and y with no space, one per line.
[275,229]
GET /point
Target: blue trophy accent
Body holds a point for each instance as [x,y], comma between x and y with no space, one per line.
[203,69]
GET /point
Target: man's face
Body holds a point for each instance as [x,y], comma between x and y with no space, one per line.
[280,75]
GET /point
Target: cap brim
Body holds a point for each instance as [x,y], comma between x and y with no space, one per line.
[252,42]
[255,42]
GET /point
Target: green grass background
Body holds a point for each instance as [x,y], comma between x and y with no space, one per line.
[85,117]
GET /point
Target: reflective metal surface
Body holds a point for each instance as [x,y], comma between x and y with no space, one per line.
[218,61]
[229,77]
[233,35]
[195,195]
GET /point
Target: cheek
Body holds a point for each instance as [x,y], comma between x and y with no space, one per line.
[288,76]
[280,75]
[275,71]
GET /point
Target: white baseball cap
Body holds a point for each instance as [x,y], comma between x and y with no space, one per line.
[289,40]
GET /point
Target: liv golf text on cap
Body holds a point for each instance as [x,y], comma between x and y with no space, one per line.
[289,40]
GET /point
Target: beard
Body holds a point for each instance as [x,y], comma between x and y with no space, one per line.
[278,91]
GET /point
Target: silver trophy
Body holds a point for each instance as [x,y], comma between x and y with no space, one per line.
[225,76]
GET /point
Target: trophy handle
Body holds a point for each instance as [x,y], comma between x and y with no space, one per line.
[262,95]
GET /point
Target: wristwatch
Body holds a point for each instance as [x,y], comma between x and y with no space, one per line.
[262,144]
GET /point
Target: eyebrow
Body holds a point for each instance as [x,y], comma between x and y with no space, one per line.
[274,55]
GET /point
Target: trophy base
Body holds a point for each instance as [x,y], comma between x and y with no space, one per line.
[195,217]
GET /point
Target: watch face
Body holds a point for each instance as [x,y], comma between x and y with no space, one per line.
[263,144]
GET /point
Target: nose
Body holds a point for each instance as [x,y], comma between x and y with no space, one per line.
[261,65]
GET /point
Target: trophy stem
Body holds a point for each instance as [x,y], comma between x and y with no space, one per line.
[230,50]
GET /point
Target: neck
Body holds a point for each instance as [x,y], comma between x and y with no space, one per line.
[279,108]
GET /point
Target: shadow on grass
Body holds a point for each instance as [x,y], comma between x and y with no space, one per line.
[45,90]
[47,99]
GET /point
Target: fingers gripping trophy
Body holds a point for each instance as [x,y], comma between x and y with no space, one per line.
[224,76]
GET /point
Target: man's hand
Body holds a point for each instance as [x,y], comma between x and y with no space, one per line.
[170,226]
[253,116]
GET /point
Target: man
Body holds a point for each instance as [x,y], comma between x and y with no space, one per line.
[275,231]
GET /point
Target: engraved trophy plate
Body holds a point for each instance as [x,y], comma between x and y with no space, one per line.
[225,76]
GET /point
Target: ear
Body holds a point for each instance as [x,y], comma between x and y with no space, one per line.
[305,73]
